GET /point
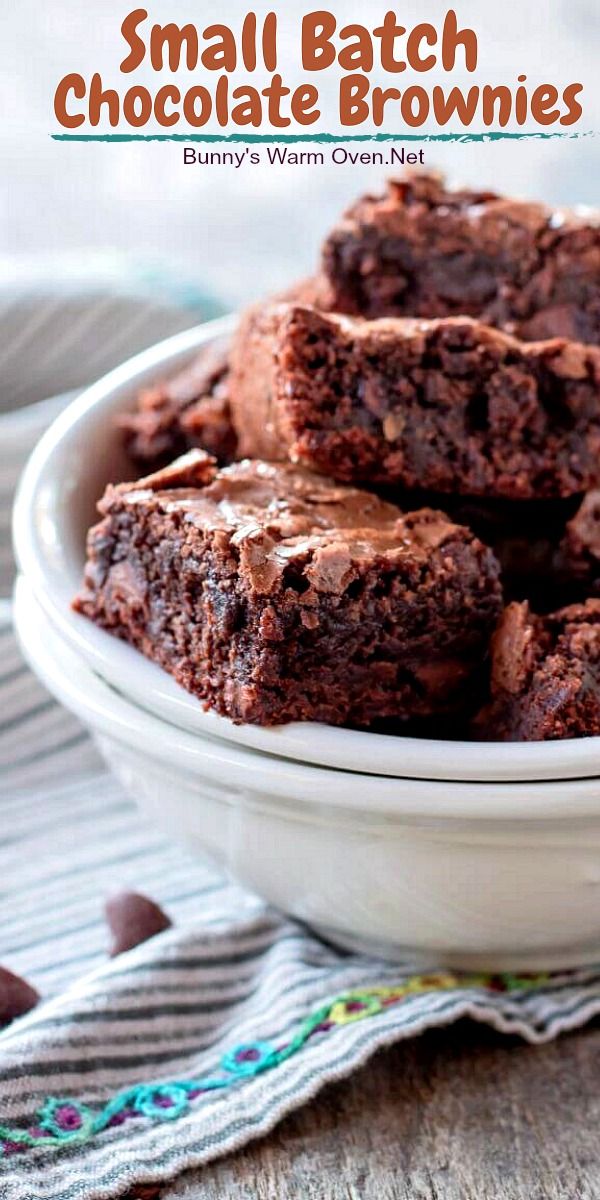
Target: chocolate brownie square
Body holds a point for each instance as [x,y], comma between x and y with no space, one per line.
[276,595]
[545,681]
[424,250]
[192,408]
[449,404]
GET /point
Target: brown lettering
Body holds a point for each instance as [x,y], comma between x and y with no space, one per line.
[274,94]
[249,110]
[249,41]
[445,106]
[317,50]
[137,106]
[521,102]
[164,94]
[223,55]
[137,49]
[543,104]
[174,39]
[302,105]
[380,99]
[489,96]
[389,32]
[358,56]
[98,97]
[415,97]
[190,112]
[452,37]
[76,85]
[353,109]
[574,109]
[421,33]
[269,42]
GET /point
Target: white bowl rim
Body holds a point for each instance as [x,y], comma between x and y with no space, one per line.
[265,777]
[310,742]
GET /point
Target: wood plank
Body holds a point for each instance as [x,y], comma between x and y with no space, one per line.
[460,1114]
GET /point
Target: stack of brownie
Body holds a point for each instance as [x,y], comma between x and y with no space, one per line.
[402,441]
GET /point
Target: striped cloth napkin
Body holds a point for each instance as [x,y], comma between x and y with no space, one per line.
[135,1068]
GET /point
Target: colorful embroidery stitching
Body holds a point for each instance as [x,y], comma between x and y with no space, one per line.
[63,1122]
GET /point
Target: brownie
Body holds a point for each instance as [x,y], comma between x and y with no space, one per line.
[447,404]
[274,594]
[190,409]
[545,680]
[527,537]
[548,550]
[424,250]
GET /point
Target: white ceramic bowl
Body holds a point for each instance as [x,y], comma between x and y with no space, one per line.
[493,876]
[20,429]
[56,504]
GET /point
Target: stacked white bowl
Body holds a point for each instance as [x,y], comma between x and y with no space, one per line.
[442,853]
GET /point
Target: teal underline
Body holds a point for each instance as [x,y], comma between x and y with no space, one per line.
[254,138]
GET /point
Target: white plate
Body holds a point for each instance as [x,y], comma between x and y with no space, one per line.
[55,506]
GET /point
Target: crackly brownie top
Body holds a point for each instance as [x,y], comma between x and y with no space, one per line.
[424,249]
[275,514]
[427,192]
[567,359]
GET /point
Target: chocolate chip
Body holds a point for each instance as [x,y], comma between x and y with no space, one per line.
[16,996]
[133,919]
[144,1192]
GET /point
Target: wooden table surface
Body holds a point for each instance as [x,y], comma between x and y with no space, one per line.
[459,1114]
